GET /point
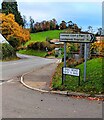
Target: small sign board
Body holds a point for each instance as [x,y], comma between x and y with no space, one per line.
[71,71]
[77,38]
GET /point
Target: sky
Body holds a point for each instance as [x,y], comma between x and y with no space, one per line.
[82,12]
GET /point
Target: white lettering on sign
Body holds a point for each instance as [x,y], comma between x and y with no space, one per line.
[66,37]
[71,71]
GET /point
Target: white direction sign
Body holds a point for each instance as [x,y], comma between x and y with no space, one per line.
[71,71]
[77,38]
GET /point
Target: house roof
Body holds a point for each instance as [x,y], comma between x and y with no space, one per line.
[56,41]
[99,38]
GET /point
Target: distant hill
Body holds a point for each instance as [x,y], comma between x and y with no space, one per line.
[43,36]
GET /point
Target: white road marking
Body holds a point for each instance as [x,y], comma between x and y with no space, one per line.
[58,61]
[6,81]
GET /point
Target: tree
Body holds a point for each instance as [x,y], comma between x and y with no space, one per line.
[14,42]
[31,24]
[75,28]
[10,28]
[47,25]
[36,27]
[99,31]
[70,24]
[10,6]
[63,25]
[57,27]
[53,23]
[90,29]
[24,21]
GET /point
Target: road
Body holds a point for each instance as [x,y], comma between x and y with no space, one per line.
[21,102]
[16,68]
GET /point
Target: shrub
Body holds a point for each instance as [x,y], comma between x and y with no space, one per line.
[7,51]
[41,46]
[72,62]
[14,42]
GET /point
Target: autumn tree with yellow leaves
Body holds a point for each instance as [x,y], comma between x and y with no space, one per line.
[98,47]
[11,29]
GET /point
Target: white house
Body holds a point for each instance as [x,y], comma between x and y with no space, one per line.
[2,39]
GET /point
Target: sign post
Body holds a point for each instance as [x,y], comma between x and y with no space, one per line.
[76,38]
[64,54]
[64,76]
[85,58]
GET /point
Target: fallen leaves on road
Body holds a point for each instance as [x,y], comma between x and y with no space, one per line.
[89,98]
[96,98]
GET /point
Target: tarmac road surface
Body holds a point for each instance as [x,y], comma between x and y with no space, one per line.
[17,68]
[21,102]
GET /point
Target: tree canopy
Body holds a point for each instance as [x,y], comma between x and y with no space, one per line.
[10,28]
[10,6]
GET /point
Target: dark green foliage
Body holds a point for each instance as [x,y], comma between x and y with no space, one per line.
[14,42]
[12,7]
[32,25]
[7,52]
[41,46]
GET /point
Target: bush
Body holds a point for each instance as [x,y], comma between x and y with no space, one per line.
[41,46]
[72,62]
[14,42]
[7,51]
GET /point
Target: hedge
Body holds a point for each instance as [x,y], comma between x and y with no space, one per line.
[41,46]
[7,52]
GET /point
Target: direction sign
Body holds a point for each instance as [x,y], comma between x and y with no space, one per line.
[71,71]
[77,38]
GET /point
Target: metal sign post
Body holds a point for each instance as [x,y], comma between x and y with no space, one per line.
[64,54]
[85,62]
[64,76]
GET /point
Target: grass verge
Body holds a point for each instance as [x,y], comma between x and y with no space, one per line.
[94,81]
[9,59]
[33,52]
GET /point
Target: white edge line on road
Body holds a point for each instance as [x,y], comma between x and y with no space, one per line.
[22,81]
[54,92]
[6,82]
[40,90]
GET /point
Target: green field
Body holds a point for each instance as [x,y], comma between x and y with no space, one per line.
[94,82]
[42,36]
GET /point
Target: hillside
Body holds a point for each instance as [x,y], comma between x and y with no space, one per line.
[42,36]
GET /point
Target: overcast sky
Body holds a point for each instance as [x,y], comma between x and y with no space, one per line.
[84,13]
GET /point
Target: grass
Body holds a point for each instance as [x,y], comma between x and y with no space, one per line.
[41,36]
[9,59]
[94,81]
[33,52]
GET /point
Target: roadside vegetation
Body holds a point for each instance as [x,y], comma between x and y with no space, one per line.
[94,82]
[7,52]
[33,52]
